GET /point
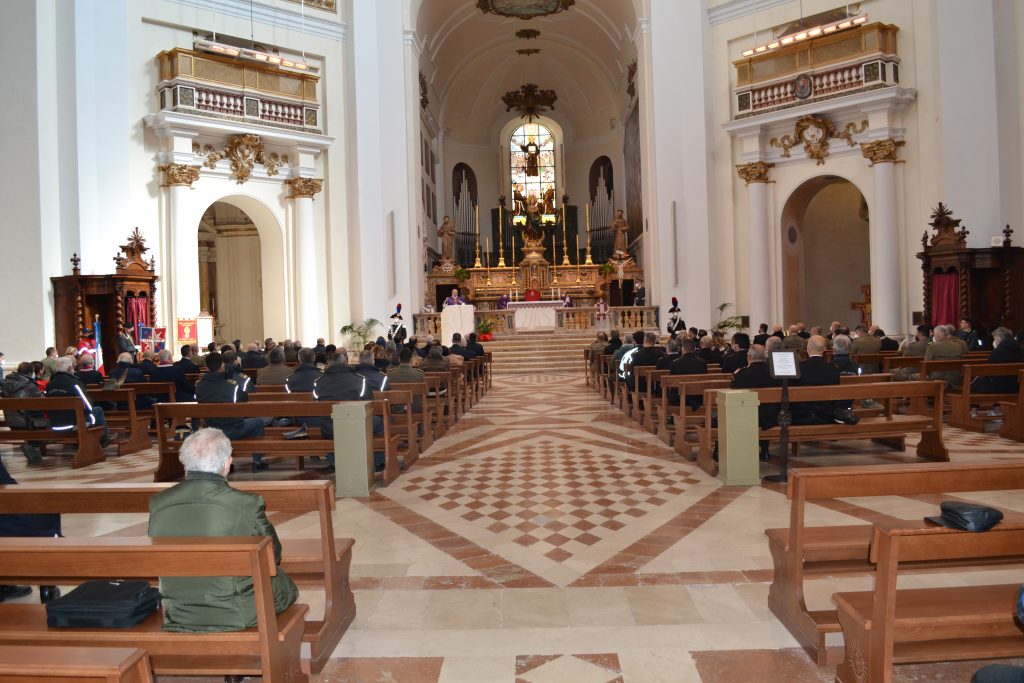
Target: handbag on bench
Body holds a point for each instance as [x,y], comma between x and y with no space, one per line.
[104,604]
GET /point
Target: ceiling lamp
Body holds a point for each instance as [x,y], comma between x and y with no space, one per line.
[804,34]
[524,9]
[530,101]
[251,55]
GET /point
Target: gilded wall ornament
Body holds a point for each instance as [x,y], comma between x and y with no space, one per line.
[305,187]
[754,172]
[526,52]
[180,174]
[211,155]
[524,9]
[243,151]
[631,80]
[530,101]
[527,33]
[815,132]
[881,151]
[424,100]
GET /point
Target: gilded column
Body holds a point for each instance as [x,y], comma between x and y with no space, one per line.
[884,238]
[755,175]
[185,244]
[309,299]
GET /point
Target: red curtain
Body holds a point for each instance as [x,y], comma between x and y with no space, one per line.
[945,299]
[138,311]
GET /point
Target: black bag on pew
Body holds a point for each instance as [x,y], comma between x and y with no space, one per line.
[104,604]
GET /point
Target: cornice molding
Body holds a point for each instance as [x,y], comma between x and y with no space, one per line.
[287,18]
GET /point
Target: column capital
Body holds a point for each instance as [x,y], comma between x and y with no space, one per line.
[180,174]
[754,172]
[305,187]
[881,151]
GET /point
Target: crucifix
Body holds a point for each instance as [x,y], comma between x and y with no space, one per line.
[864,306]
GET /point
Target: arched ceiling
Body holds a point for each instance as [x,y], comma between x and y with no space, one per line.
[584,54]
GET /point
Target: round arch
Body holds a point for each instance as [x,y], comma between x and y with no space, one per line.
[825,250]
[505,134]
[273,257]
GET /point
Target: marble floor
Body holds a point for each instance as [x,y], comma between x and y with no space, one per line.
[547,538]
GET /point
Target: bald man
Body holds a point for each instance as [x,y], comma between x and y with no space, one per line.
[816,372]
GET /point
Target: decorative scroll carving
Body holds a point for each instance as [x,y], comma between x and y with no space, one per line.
[76,264]
[131,257]
[424,100]
[881,151]
[530,101]
[305,187]
[211,155]
[754,172]
[631,80]
[815,132]
[244,152]
[180,174]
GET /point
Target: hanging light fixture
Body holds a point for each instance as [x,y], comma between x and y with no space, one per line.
[524,9]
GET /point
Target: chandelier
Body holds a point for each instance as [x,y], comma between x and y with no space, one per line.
[530,101]
[524,9]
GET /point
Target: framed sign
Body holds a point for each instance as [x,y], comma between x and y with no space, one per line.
[187,331]
[784,364]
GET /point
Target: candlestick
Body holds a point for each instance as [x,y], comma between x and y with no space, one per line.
[589,261]
[577,257]
[477,264]
[565,240]
[554,263]
[487,255]
[501,242]
[514,247]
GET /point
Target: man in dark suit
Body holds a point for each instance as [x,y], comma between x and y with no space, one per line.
[186,362]
[762,334]
[125,369]
[458,349]
[1005,350]
[148,363]
[671,354]
[165,371]
[474,346]
[738,358]
[886,344]
[707,352]
[757,376]
[86,370]
[815,372]
[648,355]
[688,363]
[253,358]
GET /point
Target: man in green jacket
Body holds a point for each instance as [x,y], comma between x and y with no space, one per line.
[205,505]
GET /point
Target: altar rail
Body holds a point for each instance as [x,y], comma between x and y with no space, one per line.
[626,318]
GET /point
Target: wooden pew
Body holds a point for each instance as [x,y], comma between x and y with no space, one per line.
[440,396]
[652,399]
[133,427]
[961,402]
[404,425]
[890,429]
[271,649]
[169,468]
[1013,415]
[587,370]
[800,550]
[67,664]
[642,386]
[86,439]
[603,371]
[890,626]
[422,422]
[387,442]
[670,383]
[322,562]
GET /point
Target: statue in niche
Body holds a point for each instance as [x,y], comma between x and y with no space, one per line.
[549,200]
[532,150]
[447,234]
[621,230]
[518,201]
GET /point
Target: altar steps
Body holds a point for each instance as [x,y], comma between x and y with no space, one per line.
[539,352]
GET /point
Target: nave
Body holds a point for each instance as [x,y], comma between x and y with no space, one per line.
[547,538]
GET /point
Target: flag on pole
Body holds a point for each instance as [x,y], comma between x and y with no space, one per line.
[99,348]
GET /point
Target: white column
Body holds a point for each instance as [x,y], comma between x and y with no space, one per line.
[184,282]
[757,264]
[884,239]
[310,324]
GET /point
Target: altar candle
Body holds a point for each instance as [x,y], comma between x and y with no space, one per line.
[500,241]
[487,251]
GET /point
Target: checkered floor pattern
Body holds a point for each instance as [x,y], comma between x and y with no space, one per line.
[552,497]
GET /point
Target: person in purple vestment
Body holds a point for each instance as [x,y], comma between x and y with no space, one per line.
[455,299]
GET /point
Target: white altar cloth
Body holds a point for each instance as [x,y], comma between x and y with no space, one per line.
[535,315]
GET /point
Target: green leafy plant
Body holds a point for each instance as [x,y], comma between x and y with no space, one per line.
[606,269]
[362,331]
[732,322]
[485,326]
[461,274]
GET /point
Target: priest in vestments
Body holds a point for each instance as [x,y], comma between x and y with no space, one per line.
[455,299]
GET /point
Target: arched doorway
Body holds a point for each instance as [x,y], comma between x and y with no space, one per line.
[231,273]
[825,256]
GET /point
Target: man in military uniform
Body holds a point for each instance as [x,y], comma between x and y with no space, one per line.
[305,375]
[865,342]
[206,505]
[340,382]
[944,348]
[217,387]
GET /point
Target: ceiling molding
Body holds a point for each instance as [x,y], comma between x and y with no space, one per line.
[735,9]
[274,15]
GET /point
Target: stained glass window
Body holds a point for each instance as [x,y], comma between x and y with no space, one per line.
[532,150]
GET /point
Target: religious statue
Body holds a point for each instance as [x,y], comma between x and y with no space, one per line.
[447,234]
[532,150]
[621,230]
[549,200]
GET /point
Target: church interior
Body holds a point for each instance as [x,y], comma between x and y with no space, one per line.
[518,226]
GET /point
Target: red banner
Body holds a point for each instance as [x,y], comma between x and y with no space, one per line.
[187,331]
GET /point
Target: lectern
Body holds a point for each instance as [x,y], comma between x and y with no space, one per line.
[457,319]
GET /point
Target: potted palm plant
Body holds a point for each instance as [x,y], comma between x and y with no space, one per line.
[361,332]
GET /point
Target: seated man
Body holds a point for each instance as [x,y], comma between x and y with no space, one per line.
[816,371]
[841,355]
[671,355]
[707,352]
[186,363]
[405,372]
[217,387]
[87,371]
[277,372]
[166,371]
[126,372]
[945,348]
[688,363]
[148,363]
[22,384]
[597,348]
[473,345]
[305,375]
[865,343]
[253,358]
[457,349]
[63,384]
[737,359]
[435,360]
[206,505]
[342,382]
[1005,349]
[756,376]
[647,355]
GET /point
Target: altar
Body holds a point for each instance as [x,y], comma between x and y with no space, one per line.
[535,315]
